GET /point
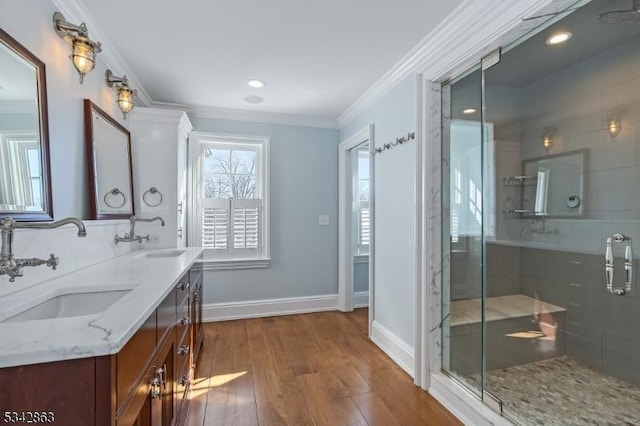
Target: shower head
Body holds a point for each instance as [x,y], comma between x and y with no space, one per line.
[627,17]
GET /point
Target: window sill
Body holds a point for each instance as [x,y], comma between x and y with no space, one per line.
[225,264]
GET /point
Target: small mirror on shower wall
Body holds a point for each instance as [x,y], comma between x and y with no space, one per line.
[557,185]
[109,165]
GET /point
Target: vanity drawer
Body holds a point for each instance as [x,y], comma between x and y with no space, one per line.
[182,386]
[182,318]
[183,286]
[183,349]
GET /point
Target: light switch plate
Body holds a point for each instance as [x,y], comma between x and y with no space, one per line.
[323,220]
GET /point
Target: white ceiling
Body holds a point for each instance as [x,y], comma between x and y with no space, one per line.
[317,57]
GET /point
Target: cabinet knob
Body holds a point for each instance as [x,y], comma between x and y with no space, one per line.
[183,350]
[183,321]
[184,381]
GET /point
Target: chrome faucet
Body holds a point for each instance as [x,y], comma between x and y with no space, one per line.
[131,237]
[13,267]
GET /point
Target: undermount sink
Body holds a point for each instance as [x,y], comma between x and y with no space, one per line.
[70,305]
[165,253]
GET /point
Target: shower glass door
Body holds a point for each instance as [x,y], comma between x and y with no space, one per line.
[543,309]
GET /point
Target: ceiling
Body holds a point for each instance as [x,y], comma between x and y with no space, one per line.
[533,60]
[317,57]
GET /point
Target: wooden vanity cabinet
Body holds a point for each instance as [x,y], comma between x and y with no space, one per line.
[145,384]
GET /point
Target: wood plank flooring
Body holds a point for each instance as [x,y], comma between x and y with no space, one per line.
[311,369]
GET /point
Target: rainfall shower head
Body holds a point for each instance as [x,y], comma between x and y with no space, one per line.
[627,17]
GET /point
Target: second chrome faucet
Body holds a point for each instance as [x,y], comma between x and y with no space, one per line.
[131,236]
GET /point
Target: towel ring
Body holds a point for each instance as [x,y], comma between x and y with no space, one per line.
[153,191]
[115,192]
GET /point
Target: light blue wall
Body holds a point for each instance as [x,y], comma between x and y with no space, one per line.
[30,22]
[361,276]
[19,122]
[303,184]
[393,116]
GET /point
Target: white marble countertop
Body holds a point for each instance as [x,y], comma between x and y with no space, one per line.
[103,333]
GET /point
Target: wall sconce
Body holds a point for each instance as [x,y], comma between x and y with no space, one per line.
[83,49]
[615,126]
[547,137]
[125,93]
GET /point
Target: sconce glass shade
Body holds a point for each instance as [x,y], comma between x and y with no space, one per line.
[615,126]
[84,55]
[547,137]
[125,99]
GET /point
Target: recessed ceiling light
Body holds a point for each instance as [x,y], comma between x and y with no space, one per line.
[253,100]
[256,84]
[558,38]
[469,111]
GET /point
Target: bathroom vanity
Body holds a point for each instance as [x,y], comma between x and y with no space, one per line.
[129,362]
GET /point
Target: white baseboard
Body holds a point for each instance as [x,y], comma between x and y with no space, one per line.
[397,349]
[361,299]
[467,408]
[272,307]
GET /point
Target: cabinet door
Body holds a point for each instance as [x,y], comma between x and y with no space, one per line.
[144,408]
[165,369]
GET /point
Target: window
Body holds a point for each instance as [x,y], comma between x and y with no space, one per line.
[229,214]
[21,183]
[361,196]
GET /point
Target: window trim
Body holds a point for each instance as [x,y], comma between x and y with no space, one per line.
[195,141]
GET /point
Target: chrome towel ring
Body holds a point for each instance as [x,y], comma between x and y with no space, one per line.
[115,192]
[150,194]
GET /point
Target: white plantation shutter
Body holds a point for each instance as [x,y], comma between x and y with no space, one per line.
[231,228]
[364,226]
[214,223]
[246,230]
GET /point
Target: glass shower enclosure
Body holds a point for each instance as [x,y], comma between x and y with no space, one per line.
[541,223]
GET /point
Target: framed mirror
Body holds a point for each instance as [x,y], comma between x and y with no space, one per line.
[25,176]
[109,165]
[557,184]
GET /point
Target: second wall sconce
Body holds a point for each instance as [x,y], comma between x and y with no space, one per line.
[547,137]
[125,93]
[83,49]
[615,126]
[614,120]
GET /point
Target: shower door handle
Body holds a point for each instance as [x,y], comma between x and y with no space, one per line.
[628,264]
[608,265]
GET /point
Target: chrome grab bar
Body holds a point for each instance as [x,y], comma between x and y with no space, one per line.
[628,264]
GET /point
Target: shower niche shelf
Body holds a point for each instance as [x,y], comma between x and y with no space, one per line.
[520,180]
[516,196]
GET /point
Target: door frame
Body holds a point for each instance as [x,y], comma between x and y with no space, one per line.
[345,221]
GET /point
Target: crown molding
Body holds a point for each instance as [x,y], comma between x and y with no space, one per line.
[468,31]
[76,13]
[253,116]
[162,116]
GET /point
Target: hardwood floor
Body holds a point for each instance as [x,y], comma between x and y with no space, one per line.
[311,369]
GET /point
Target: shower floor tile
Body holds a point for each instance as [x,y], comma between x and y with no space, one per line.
[560,391]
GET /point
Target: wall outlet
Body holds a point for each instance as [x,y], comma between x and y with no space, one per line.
[323,220]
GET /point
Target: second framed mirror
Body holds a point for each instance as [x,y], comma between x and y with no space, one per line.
[109,165]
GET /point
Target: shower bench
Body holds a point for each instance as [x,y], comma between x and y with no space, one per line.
[519,330]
